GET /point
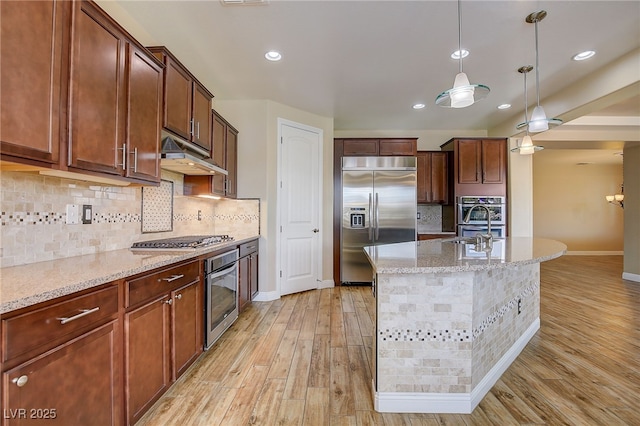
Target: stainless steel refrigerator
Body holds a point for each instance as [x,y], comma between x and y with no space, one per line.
[378,207]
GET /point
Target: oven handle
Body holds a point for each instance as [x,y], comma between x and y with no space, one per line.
[224,271]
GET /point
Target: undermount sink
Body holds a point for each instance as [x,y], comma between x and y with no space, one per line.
[459,240]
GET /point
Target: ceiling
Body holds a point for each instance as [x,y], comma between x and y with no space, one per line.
[365,63]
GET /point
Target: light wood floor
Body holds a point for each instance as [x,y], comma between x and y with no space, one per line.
[304,360]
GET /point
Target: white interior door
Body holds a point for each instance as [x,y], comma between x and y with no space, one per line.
[300,202]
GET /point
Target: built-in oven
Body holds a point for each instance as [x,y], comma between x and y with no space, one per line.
[496,205]
[498,231]
[221,292]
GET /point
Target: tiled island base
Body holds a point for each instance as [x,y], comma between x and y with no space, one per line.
[444,339]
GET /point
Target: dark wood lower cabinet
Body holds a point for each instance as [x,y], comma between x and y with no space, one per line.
[77,383]
[146,356]
[248,267]
[186,342]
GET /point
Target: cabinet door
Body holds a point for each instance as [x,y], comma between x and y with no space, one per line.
[493,161]
[231,163]
[469,161]
[360,147]
[253,288]
[439,178]
[34,77]
[97,93]
[219,134]
[144,116]
[187,337]
[77,383]
[201,126]
[423,164]
[400,147]
[177,99]
[244,283]
[147,368]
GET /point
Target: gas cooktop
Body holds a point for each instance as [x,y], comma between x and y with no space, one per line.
[188,242]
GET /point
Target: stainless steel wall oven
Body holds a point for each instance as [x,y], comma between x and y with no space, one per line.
[221,292]
[478,220]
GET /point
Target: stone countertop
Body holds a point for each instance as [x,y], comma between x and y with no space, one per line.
[439,255]
[26,285]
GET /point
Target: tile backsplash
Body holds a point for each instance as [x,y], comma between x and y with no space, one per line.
[430,218]
[33,217]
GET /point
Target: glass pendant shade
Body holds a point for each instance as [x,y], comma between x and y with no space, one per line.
[538,121]
[462,92]
[609,198]
[527,148]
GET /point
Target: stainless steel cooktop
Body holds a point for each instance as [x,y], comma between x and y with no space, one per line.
[188,242]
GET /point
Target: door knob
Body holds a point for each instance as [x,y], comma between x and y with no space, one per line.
[316,230]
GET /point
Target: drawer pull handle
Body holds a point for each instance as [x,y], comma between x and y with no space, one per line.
[83,312]
[250,247]
[20,381]
[173,278]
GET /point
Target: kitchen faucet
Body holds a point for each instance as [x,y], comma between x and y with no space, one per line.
[487,238]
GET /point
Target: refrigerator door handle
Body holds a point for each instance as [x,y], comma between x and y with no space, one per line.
[377,218]
[370,229]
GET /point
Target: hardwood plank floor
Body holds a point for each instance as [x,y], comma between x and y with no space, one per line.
[305,360]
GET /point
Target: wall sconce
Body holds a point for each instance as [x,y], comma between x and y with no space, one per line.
[617,199]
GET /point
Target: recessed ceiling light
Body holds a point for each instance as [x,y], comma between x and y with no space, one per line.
[419,106]
[583,55]
[504,106]
[456,54]
[272,55]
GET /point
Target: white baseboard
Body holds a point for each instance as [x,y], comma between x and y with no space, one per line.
[631,277]
[266,296]
[454,403]
[594,253]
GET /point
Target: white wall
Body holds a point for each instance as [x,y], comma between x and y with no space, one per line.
[257,123]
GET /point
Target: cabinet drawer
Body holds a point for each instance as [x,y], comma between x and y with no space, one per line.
[248,248]
[42,326]
[161,281]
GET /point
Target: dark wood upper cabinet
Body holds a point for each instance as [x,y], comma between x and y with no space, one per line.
[35,37]
[433,177]
[397,147]
[371,147]
[360,147]
[144,116]
[98,99]
[186,104]
[480,165]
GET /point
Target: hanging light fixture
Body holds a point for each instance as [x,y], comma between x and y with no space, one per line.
[462,94]
[617,199]
[539,121]
[526,147]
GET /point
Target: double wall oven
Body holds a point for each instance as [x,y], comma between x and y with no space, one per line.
[478,220]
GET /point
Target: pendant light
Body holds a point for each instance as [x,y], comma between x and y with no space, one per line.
[539,121]
[462,94]
[526,146]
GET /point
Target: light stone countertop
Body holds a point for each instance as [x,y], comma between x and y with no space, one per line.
[439,255]
[26,285]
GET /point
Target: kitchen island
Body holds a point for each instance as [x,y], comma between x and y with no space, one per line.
[450,319]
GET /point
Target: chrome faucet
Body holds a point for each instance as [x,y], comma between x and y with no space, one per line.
[485,240]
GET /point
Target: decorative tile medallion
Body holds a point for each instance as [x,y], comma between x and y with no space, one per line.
[157,207]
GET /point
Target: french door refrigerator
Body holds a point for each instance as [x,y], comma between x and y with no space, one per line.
[378,207]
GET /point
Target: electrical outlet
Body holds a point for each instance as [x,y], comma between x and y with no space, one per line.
[73,214]
[87,214]
[199,215]
[418,215]
[519,306]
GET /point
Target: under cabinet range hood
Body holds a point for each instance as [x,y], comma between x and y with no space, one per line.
[184,157]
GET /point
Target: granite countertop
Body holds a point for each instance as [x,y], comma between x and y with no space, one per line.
[26,285]
[440,255]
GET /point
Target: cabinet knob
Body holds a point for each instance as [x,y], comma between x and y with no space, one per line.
[178,296]
[169,302]
[20,381]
